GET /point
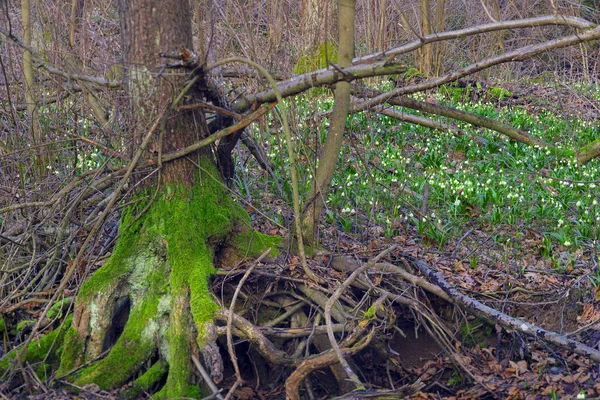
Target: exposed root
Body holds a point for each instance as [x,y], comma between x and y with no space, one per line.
[380,309]
[292,330]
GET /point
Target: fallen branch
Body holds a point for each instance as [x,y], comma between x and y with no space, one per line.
[323,360]
[496,317]
[474,119]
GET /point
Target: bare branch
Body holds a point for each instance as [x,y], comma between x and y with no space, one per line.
[304,82]
[54,70]
[578,23]
[520,54]
[477,120]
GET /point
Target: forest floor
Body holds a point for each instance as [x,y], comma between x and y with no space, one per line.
[534,262]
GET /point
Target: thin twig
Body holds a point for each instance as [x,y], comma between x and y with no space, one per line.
[207,379]
[230,317]
[334,297]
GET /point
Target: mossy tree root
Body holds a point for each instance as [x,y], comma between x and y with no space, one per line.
[42,353]
[150,301]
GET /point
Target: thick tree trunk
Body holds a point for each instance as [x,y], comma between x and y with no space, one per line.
[150,302]
[148,309]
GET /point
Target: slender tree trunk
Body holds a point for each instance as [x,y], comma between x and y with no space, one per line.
[30,98]
[333,143]
[316,22]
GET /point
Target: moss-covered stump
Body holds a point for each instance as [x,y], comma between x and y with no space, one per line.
[150,302]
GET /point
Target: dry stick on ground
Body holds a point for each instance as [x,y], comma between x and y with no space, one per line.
[334,297]
[230,322]
[482,311]
[324,360]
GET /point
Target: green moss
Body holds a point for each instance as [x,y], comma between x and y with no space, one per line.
[165,258]
[132,349]
[58,308]
[411,73]
[46,349]
[113,270]
[457,94]
[22,325]
[2,324]
[252,243]
[320,57]
[180,372]
[146,382]
[475,332]
[498,93]
[152,376]
[72,352]
[136,344]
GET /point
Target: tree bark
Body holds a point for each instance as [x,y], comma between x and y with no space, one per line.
[333,143]
[34,125]
[148,310]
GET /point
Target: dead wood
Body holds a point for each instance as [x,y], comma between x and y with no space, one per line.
[497,317]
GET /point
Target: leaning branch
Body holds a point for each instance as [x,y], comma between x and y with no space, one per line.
[54,70]
[520,54]
[241,124]
[545,20]
[304,82]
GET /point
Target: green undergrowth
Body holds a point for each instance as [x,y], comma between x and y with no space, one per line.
[319,58]
[478,179]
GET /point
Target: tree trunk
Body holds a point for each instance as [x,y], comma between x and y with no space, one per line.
[333,143]
[316,22]
[30,93]
[148,309]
